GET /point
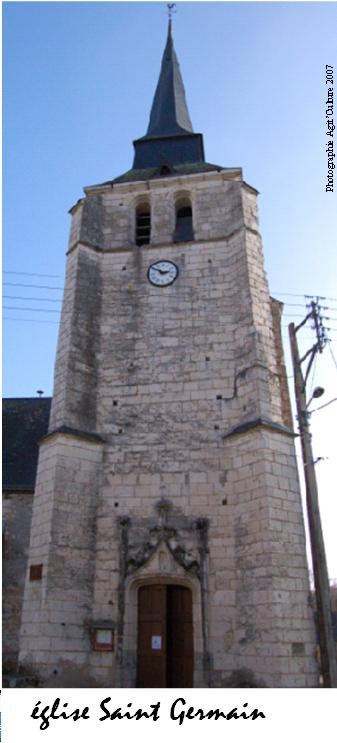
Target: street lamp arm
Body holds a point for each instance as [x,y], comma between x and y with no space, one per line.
[334,399]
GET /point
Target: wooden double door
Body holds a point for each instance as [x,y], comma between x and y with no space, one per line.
[165,636]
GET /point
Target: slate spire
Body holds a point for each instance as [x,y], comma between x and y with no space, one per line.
[169,139]
[169,113]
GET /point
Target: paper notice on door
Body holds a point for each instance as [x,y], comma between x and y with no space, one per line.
[156,642]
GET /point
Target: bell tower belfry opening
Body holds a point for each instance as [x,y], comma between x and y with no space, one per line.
[167,526]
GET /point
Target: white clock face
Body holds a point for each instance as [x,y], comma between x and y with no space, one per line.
[162,273]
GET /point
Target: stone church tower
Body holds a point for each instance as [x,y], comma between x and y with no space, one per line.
[167,540]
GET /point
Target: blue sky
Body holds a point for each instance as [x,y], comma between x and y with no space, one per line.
[78,83]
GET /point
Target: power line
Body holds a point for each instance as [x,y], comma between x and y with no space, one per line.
[280,293]
[33,299]
[305,296]
[33,286]
[333,358]
[313,376]
[326,299]
[292,315]
[296,304]
[29,309]
[25,273]
[32,319]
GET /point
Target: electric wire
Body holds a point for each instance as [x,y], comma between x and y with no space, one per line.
[33,299]
[333,357]
[306,296]
[33,286]
[29,309]
[313,376]
[25,273]
[30,320]
[332,329]
[280,293]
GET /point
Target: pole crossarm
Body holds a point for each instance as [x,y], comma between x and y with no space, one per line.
[314,315]
[308,317]
[319,327]
[313,352]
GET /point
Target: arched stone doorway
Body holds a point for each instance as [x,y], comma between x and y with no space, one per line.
[165,636]
[161,568]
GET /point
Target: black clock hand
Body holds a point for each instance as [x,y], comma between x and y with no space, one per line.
[160,270]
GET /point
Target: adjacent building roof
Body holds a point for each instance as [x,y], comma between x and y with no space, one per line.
[24,422]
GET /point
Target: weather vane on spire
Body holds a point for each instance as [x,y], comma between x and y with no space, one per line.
[170,8]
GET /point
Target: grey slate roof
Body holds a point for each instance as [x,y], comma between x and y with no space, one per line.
[24,422]
[169,138]
[169,114]
[170,147]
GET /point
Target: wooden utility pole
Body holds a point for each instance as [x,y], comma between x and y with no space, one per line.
[321,579]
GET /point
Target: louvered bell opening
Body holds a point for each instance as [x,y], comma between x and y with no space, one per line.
[184,225]
[143,228]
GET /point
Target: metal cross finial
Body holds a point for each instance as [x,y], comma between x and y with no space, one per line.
[170,8]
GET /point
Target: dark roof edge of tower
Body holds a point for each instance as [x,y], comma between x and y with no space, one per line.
[166,171]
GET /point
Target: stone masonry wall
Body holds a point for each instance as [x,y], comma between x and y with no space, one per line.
[75,379]
[17,511]
[195,360]
[55,637]
[194,479]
